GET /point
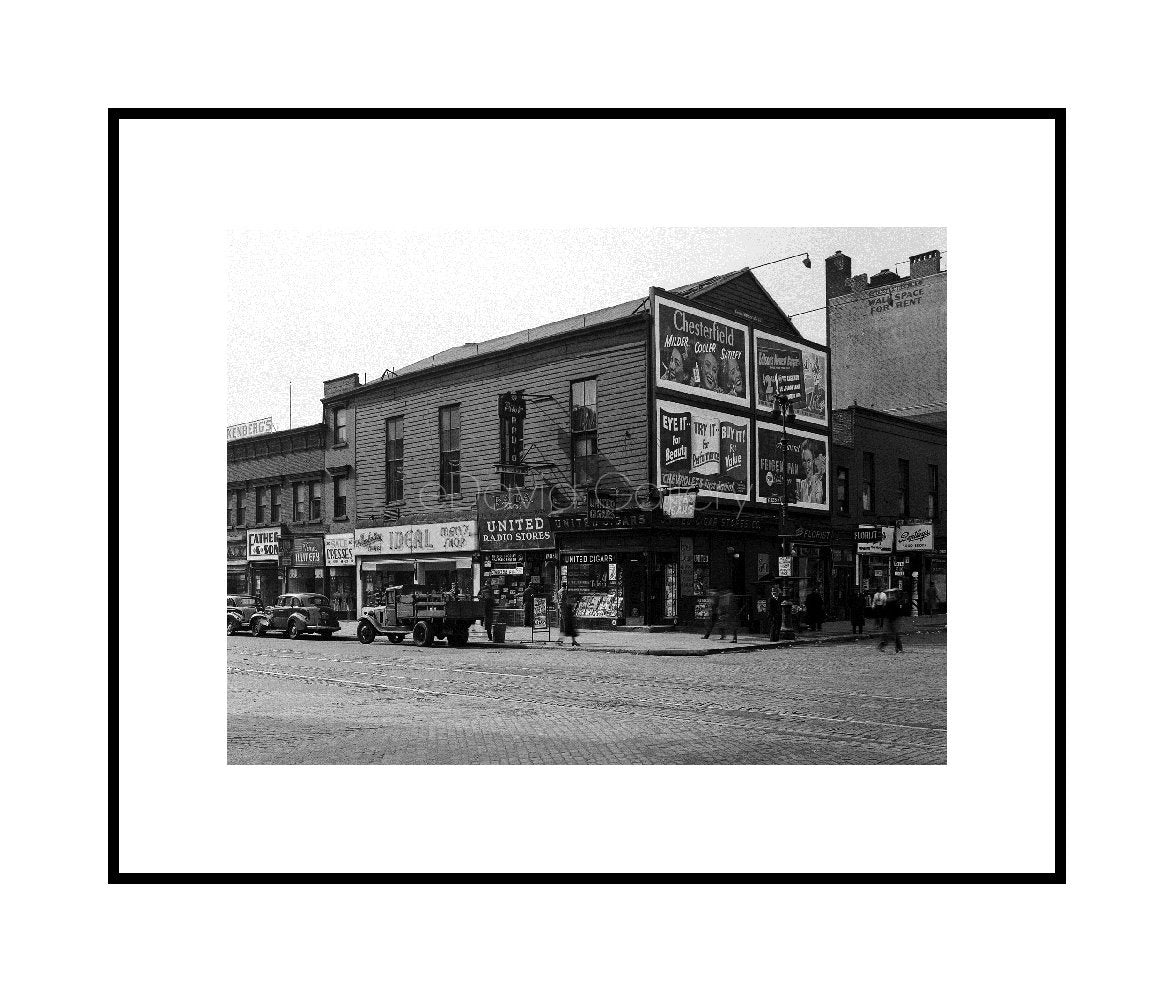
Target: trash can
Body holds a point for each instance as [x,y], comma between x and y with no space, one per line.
[499,633]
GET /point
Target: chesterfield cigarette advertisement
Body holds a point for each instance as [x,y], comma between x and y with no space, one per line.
[703,448]
[701,354]
[805,457]
[793,371]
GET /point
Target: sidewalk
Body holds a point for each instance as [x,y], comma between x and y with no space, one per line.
[679,642]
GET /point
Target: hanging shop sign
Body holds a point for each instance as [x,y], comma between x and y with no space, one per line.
[868,533]
[516,519]
[883,546]
[700,353]
[914,537]
[511,410]
[285,552]
[796,459]
[432,538]
[679,505]
[340,550]
[263,544]
[307,551]
[794,372]
[703,449]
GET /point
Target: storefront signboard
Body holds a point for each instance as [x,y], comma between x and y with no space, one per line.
[516,520]
[806,457]
[884,546]
[623,521]
[703,449]
[253,427]
[867,533]
[307,551]
[263,544]
[601,507]
[340,550]
[794,372]
[417,539]
[504,564]
[915,537]
[700,354]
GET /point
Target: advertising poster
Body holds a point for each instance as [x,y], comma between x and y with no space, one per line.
[703,448]
[700,353]
[803,466]
[793,371]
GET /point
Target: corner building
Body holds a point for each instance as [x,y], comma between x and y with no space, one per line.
[631,452]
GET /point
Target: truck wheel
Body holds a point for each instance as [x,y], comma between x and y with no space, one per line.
[422,633]
[366,633]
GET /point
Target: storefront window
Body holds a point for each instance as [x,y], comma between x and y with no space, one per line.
[341,591]
[594,580]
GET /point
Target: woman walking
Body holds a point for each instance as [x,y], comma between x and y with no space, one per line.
[566,610]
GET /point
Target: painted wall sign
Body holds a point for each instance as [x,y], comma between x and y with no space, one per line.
[914,537]
[700,353]
[793,371]
[263,544]
[425,539]
[703,449]
[805,475]
[340,549]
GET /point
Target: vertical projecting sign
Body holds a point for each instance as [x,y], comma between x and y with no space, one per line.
[511,409]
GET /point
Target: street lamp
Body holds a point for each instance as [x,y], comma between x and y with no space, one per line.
[783,413]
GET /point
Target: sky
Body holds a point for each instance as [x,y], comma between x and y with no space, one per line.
[306,306]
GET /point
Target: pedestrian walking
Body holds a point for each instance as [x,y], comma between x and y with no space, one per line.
[727,611]
[714,606]
[892,609]
[774,607]
[814,604]
[489,601]
[857,604]
[566,612]
[878,608]
[931,599]
[528,605]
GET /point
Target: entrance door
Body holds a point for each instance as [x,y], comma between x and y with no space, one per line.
[634,592]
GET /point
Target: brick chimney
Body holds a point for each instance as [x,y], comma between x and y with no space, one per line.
[837,270]
[928,263]
[860,283]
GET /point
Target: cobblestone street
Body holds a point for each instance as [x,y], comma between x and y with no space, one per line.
[341,702]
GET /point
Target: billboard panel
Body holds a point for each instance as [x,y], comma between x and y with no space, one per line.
[805,458]
[794,371]
[699,353]
[703,448]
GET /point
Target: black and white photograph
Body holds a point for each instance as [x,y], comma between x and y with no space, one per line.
[516,543]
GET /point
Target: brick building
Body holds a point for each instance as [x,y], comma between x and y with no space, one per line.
[888,337]
[888,472]
[283,505]
[545,457]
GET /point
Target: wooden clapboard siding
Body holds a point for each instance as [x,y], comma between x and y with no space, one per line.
[744,292]
[616,356]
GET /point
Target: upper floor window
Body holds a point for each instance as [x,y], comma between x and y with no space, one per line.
[275,504]
[240,507]
[393,458]
[301,491]
[315,500]
[902,487]
[231,507]
[931,496]
[842,491]
[340,496]
[450,450]
[259,505]
[340,425]
[584,433]
[868,484]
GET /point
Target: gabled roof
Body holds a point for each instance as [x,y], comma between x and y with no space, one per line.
[630,308]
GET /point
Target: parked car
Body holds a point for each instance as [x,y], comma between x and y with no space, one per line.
[241,610]
[296,614]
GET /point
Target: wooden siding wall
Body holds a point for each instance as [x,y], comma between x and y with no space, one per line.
[744,293]
[617,357]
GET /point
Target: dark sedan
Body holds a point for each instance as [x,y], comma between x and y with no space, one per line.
[296,614]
